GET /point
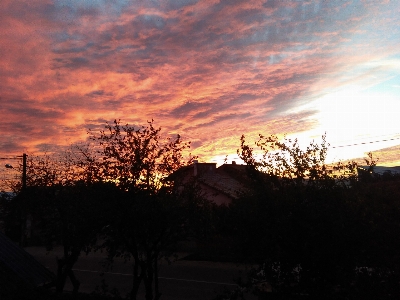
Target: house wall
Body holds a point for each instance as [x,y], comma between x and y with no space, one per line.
[215,196]
[196,170]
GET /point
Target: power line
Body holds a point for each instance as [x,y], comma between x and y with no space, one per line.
[366,143]
[22,157]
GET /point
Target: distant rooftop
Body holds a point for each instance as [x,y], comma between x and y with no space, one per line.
[382,169]
[229,179]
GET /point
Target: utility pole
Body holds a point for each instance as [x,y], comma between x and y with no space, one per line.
[23,212]
[24,167]
[24,171]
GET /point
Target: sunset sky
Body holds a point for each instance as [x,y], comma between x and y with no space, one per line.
[209,70]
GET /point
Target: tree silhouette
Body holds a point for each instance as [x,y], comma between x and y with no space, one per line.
[116,187]
[315,230]
[149,216]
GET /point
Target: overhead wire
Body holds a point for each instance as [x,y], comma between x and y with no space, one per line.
[366,143]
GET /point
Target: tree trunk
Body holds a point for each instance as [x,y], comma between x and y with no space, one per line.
[156,289]
[148,280]
[64,270]
[137,279]
[61,276]
[75,283]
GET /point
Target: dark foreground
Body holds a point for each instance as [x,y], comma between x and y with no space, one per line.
[180,280]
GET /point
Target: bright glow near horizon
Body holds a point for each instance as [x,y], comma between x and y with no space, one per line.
[367,120]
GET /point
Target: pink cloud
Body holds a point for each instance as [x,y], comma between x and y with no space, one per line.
[207,68]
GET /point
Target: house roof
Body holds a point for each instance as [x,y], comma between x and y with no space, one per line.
[7,194]
[228,179]
[382,169]
[223,183]
[25,267]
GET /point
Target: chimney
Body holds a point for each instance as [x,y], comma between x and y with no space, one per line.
[233,162]
[195,167]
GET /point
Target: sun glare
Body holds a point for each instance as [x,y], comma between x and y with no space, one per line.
[357,122]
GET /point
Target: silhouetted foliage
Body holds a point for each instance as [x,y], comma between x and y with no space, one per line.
[5,199]
[72,215]
[150,216]
[316,231]
[116,188]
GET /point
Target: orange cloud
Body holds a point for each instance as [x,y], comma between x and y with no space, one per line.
[210,70]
